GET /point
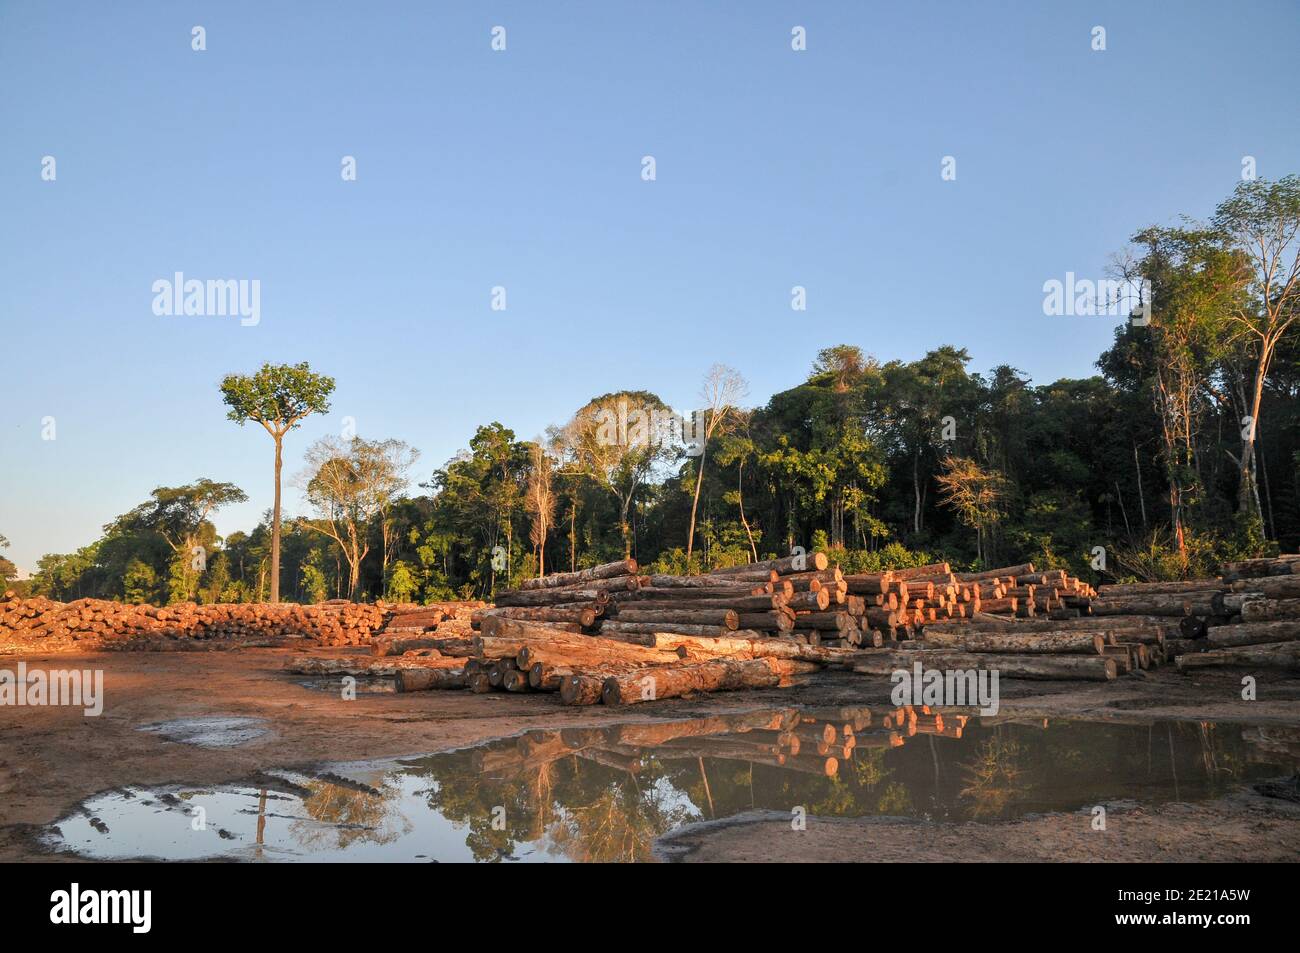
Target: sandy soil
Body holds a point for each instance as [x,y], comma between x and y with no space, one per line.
[51,759]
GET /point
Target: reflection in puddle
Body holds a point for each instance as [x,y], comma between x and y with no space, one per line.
[360,684]
[606,794]
[210,731]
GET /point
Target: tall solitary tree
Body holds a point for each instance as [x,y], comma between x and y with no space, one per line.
[1262,220]
[278,397]
[722,388]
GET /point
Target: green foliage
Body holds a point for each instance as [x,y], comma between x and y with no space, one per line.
[898,464]
[278,396]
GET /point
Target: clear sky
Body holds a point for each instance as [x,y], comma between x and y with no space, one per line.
[522,169]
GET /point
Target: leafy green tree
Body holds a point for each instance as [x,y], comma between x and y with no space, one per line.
[8,571]
[618,440]
[279,397]
[350,483]
[1262,221]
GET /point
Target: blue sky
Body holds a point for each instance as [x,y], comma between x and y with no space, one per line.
[522,169]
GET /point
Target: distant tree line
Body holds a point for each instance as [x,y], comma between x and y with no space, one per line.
[1182,452]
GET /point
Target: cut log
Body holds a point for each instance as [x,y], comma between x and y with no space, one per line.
[719,675]
[726,618]
[428,679]
[1176,604]
[1081,667]
[581,689]
[584,617]
[624,567]
[1253,633]
[1076,643]
[1285,656]
[802,563]
[1262,610]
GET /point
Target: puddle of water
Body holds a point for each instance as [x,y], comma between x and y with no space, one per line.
[363,684]
[607,793]
[210,731]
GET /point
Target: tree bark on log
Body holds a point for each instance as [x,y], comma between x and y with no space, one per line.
[714,676]
[1252,633]
[624,567]
[1078,667]
[1284,656]
[1076,643]
[428,679]
[727,618]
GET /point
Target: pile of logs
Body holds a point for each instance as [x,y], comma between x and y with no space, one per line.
[614,636]
[1248,617]
[38,624]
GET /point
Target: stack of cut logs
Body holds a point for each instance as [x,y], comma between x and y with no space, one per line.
[42,625]
[1249,617]
[610,634]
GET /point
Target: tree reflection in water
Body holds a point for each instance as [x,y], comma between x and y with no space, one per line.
[606,794]
[342,815]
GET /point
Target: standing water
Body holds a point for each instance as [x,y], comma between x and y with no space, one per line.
[606,794]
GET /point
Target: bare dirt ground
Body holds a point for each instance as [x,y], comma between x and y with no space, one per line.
[1242,827]
[51,759]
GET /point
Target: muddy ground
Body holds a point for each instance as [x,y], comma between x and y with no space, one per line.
[51,759]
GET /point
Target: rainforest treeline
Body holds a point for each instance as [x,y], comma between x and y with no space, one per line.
[1183,451]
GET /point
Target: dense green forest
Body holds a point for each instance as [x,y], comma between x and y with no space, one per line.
[1184,450]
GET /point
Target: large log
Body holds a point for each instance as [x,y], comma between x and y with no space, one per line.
[802,563]
[1198,602]
[558,653]
[869,583]
[550,597]
[624,567]
[746,603]
[428,679]
[1277,587]
[727,618]
[1080,667]
[826,621]
[1262,610]
[718,675]
[1082,643]
[777,621]
[1285,656]
[615,627]
[584,617]
[577,689]
[1000,624]
[747,647]
[1253,633]
[1005,572]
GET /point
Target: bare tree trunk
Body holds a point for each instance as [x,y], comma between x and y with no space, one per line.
[275,523]
[1137,475]
[1249,491]
[916,490]
[699,482]
[740,498]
